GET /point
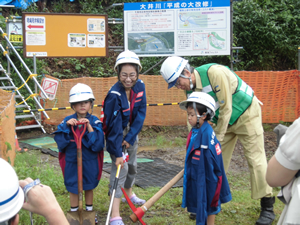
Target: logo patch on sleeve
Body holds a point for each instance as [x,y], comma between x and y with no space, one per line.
[197,152]
[140,94]
[218,149]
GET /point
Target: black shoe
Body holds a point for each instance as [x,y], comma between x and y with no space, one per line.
[267,214]
[193,216]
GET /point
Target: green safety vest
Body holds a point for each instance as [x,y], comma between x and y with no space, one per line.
[241,98]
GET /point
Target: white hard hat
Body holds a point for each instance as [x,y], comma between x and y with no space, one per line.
[11,194]
[201,98]
[172,68]
[80,92]
[128,57]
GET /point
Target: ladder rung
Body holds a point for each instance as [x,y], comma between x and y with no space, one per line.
[23,116]
[5,78]
[7,87]
[18,96]
[21,106]
[29,127]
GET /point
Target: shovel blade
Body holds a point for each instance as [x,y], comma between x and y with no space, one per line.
[88,217]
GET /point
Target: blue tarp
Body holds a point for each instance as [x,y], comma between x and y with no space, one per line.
[20,4]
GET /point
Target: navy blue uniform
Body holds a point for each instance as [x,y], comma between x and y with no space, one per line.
[118,113]
[92,154]
[205,182]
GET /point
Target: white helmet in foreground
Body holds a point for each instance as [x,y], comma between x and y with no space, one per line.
[201,98]
[171,70]
[81,92]
[11,194]
[127,57]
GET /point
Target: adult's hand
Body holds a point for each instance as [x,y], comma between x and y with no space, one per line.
[41,200]
[119,161]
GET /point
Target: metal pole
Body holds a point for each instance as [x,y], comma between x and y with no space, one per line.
[7,31]
[38,115]
[231,35]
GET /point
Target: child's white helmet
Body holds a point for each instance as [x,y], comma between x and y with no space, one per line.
[81,92]
[172,68]
[201,98]
[11,194]
[127,57]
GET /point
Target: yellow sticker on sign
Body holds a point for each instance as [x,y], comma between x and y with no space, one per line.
[16,38]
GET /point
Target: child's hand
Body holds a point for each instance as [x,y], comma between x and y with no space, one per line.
[88,125]
[72,122]
[84,120]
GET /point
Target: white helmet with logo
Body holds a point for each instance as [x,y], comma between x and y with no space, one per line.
[201,98]
[11,194]
[127,57]
[171,69]
[81,92]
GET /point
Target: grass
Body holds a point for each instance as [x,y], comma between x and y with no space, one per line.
[167,210]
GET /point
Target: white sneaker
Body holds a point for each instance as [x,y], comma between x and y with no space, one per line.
[135,200]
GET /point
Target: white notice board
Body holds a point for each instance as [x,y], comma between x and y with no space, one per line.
[177,28]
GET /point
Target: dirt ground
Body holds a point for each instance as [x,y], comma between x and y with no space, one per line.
[173,154]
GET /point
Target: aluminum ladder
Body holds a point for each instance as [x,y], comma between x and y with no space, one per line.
[8,84]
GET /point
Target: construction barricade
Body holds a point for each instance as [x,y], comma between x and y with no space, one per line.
[278,90]
[7,126]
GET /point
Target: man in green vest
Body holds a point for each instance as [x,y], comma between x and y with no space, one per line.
[238,116]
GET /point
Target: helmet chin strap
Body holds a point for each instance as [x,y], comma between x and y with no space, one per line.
[198,116]
[191,83]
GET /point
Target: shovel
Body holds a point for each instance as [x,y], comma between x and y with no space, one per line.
[114,189]
[80,217]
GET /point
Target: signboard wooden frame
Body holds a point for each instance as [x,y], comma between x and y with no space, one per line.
[65,35]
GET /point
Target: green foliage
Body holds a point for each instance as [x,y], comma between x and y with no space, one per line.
[8,146]
[269,33]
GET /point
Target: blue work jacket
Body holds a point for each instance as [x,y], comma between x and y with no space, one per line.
[118,113]
[92,154]
[205,182]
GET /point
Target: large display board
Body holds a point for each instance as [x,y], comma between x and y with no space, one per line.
[65,35]
[177,28]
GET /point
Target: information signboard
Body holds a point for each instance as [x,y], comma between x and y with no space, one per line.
[177,28]
[65,35]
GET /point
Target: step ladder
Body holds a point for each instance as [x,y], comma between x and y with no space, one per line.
[7,84]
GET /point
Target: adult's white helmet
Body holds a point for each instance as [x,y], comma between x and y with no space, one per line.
[81,92]
[201,98]
[127,57]
[11,194]
[172,68]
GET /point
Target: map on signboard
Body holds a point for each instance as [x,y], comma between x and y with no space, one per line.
[202,19]
[217,39]
[177,28]
[156,43]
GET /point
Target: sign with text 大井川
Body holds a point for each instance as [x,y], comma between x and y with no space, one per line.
[177,28]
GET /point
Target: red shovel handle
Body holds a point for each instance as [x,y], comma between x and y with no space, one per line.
[79,167]
[78,139]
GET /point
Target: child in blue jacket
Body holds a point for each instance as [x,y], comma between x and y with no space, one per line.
[81,99]
[205,184]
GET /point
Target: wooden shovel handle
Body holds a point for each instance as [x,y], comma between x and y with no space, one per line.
[158,195]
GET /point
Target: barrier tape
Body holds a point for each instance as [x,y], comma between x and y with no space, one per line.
[64,108]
